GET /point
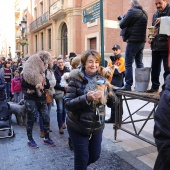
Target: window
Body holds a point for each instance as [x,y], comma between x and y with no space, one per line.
[41,8]
[42,41]
[36,44]
[35,13]
[64,45]
[49,38]
[27,47]
[92,23]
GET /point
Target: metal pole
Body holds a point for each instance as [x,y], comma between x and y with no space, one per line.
[102,32]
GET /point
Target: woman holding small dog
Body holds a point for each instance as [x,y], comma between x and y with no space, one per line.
[83,122]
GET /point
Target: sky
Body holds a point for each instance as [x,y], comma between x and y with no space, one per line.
[7,25]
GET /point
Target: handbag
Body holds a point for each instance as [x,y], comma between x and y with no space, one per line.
[59,94]
[49,97]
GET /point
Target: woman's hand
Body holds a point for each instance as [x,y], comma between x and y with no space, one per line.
[94,95]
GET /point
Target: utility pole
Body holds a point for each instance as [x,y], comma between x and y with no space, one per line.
[102,32]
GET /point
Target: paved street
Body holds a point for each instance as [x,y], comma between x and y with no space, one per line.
[15,155]
[126,153]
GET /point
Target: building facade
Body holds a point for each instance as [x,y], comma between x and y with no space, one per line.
[57,26]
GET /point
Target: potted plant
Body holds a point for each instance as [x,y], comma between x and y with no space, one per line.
[24,42]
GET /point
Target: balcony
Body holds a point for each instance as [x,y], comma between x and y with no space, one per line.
[40,22]
[56,9]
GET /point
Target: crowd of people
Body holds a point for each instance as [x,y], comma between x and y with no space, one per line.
[82,109]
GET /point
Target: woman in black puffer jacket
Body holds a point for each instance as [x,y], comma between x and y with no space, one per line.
[2,88]
[83,122]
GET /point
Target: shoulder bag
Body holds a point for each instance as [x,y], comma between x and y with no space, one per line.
[59,94]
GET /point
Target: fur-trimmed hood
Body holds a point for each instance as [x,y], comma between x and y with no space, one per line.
[77,74]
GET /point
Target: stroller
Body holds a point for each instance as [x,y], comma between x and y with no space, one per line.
[5,120]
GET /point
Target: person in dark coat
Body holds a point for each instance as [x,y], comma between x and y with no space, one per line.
[159,47]
[61,111]
[84,123]
[34,103]
[117,80]
[136,21]
[2,88]
[162,129]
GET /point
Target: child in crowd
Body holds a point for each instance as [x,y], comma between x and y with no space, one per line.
[16,88]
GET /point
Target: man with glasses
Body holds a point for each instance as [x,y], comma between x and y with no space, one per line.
[159,47]
[61,111]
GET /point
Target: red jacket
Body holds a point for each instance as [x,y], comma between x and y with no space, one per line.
[16,84]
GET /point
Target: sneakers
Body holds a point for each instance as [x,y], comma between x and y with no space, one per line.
[152,90]
[49,142]
[32,144]
[42,134]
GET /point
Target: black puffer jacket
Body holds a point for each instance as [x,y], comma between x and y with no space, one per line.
[2,88]
[82,116]
[162,129]
[58,74]
[160,42]
[136,18]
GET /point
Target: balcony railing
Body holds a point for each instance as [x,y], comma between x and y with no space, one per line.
[39,21]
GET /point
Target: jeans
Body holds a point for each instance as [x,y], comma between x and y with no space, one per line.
[134,51]
[61,112]
[157,58]
[85,151]
[17,97]
[32,108]
[40,118]
[8,90]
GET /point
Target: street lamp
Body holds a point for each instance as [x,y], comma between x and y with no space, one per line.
[22,28]
[9,52]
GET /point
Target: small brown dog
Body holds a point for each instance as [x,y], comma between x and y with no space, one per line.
[100,84]
[107,72]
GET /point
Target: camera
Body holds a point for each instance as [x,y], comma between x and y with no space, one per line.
[119,18]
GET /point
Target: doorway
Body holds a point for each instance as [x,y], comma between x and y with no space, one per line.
[93,43]
[64,42]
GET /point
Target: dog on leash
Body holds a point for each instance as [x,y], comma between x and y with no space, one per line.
[33,71]
[102,85]
[19,110]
